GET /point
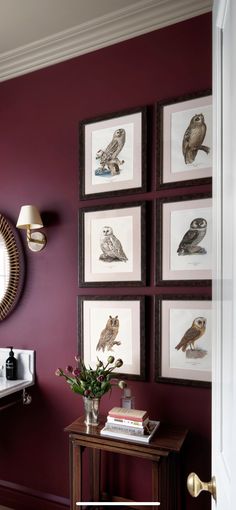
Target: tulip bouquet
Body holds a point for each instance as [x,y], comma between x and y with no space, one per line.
[92,383]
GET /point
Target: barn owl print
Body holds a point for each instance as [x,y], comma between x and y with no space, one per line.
[192,334]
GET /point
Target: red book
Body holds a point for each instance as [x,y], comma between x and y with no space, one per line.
[128,414]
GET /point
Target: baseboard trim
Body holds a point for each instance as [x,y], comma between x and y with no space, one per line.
[23,498]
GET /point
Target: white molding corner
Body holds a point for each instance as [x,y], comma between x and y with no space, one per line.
[140,18]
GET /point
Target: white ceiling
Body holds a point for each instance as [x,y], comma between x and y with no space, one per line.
[38,33]
[26,21]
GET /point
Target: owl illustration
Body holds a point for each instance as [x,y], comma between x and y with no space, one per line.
[108,335]
[108,157]
[111,246]
[192,334]
[190,242]
[193,138]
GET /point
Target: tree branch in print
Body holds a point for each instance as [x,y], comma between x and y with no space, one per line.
[109,162]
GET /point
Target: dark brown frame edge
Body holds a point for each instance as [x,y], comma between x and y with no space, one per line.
[130,191]
[159,143]
[158,341]
[17,268]
[81,237]
[159,233]
[80,330]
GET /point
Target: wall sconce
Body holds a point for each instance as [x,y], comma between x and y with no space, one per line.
[29,219]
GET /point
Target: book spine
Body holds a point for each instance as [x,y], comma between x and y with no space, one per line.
[145,438]
[129,437]
[128,414]
[124,421]
[130,431]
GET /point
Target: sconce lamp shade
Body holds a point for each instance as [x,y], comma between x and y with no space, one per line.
[29,218]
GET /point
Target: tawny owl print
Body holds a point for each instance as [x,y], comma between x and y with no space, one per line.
[108,158]
[193,138]
[111,247]
[108,335]
[192,334]
[189,245]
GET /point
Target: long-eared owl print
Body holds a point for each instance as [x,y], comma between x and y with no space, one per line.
[108,335]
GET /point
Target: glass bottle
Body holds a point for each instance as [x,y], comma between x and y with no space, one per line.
[11,366]
[127,400]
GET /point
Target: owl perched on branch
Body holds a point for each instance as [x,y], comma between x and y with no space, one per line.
[111,246]
[192,238]
[109,334]
[192,334]
[108,157]
[193,138]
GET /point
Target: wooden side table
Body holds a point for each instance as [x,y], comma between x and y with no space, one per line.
[163,453]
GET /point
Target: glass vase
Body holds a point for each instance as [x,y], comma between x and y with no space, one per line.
[91,411]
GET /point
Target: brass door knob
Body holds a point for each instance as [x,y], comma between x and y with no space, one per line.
[195,486]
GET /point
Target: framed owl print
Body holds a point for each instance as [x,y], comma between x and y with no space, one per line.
[112,154]
[184,240]
[109,325]
[112,245]
[183,350]
[184,132]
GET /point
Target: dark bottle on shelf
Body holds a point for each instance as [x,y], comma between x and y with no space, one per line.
[11,366]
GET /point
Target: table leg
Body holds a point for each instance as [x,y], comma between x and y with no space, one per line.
[155,482]
[163,486]
[95,458]
[75,474]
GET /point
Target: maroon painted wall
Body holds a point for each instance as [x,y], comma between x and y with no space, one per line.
[39,116]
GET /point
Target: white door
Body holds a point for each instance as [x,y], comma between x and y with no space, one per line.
[224,277]
[224,264]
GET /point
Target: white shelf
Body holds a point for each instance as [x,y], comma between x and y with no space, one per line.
[25,371]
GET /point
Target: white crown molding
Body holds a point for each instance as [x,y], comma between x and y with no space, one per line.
[140,18]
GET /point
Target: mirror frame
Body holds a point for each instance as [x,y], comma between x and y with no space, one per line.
[16,260]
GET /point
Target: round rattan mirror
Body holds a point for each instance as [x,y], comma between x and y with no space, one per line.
[11,268]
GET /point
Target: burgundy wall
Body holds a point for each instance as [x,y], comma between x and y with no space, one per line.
[39,115]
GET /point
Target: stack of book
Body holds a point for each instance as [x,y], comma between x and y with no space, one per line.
[129,424]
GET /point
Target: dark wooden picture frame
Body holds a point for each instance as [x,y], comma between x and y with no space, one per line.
[185,238]
[184,140]
[112,154]
[112,245]
[177,322]
[113,325]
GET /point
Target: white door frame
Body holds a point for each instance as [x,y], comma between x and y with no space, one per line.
[224,249]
